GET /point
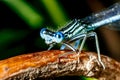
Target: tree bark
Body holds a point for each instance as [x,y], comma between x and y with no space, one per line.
[54,63]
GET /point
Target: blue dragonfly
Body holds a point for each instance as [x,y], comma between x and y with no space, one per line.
[80,29]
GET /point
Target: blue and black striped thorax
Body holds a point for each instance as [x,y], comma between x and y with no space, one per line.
[75,27]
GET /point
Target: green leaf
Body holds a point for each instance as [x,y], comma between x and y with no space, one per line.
[85,78]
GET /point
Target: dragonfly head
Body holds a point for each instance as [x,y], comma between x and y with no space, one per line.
[51,37]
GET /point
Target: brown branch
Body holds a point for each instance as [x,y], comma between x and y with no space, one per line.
[57,63]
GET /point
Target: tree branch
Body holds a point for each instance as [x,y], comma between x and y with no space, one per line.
[55,63]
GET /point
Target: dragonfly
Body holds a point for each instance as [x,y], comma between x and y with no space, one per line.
[81,29]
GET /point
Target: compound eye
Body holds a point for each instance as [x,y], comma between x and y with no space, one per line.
[58,37]
[42,32]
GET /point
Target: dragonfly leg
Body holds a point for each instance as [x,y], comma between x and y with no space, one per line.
[82,45]
[67,53]
[97,47]
[76,45]
[69,46]
[50,47]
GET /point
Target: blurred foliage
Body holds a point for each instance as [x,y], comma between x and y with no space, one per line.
[21,21]
[25,11]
